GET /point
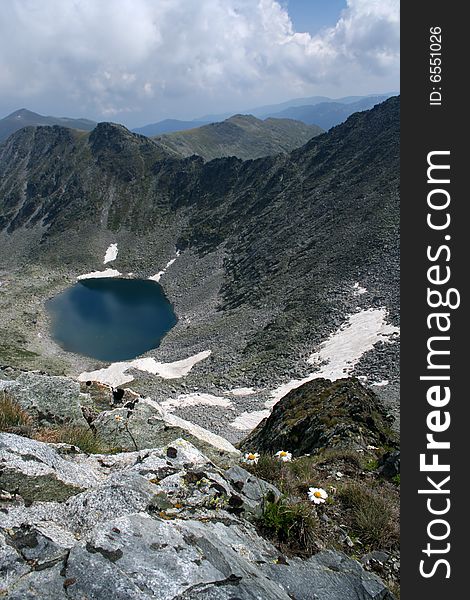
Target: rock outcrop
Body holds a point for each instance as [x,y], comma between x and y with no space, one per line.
[324,414]
[48,399]
[136,423]
[161,523]
[146,425]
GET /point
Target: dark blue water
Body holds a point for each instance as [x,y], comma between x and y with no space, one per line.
[111,319]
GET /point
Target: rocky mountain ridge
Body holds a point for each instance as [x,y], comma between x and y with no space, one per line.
[268,253]
[167,519]
[243,136]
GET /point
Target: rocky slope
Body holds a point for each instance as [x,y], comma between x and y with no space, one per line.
[164,523]
[243,136]
[169,513]
[272,255]
[324,414]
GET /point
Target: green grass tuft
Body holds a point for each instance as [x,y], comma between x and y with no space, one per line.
[82,437]
[372,516]
[12,417]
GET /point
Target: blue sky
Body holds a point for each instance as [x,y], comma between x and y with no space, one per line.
[313,15]
[139,61]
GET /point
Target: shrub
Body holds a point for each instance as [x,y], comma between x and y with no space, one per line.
[12,416]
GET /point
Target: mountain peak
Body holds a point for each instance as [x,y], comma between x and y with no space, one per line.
[25,118]
[22,113]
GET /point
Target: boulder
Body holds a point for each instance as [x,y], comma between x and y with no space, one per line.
[321,414]
[389,464]
[145,424]
[37,472]
[163,524]
[48,399]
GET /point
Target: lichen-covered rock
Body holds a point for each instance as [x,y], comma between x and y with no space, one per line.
[146,425]
[36,472]
[48,399]
[163,524]
[252,489]
[323,414]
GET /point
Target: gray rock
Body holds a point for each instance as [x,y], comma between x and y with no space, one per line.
[252,489]
[323,414]
[147,425]
[145,557]
[153,524]
[389,464]
[38,585]
[329,575]
[36,472]
[12,567]
[49,399]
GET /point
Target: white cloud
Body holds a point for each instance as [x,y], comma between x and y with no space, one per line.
[158,57]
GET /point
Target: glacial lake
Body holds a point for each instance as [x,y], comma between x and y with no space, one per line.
[111,319]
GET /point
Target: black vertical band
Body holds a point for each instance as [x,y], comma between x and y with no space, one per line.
[434,396]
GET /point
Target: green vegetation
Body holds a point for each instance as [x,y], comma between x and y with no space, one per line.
[82,437]
[12,417]
[292,523]
[360,502]
[372,515]
[243,136]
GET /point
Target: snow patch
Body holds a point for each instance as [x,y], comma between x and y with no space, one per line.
[159,275]
[382,383]
[195,399]
[98,274]
[111,253]
[340,353]
[116,373]
[242,391]
[358,290]
[199,432]
[249,420]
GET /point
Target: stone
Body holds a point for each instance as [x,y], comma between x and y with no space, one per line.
[35,584]
[320,414]
[37,472]
[329,575]
[389,464]
[159,523]
[252,489]
[148,425]
[50,400]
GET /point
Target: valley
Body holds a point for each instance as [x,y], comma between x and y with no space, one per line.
[263,261]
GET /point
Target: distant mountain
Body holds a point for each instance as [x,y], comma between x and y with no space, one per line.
[25,118]
[328,114]
[268,248]
[168,126]
[270,110]
[243,136]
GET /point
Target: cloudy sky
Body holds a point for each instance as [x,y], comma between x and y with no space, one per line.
[139,61]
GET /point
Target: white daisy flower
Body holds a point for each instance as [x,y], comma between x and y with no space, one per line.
[284,456]
[118,418]
[317,495]
[251,458]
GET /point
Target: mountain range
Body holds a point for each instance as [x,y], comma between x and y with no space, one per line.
[243,136]
[327,114]
[26,118]
[267,253]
